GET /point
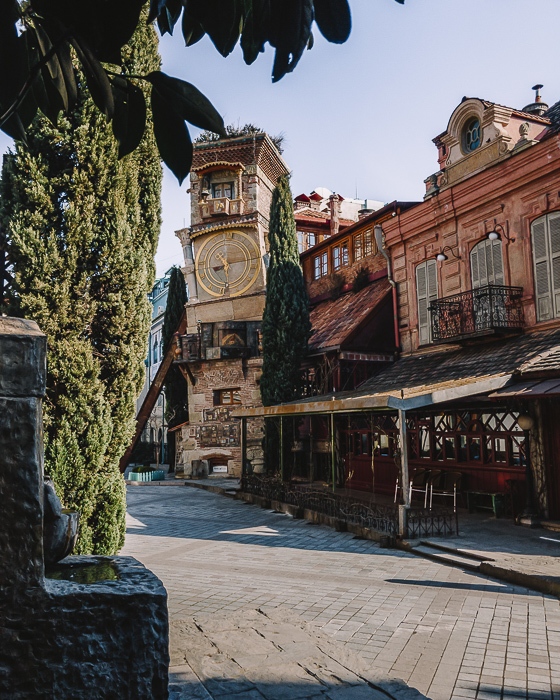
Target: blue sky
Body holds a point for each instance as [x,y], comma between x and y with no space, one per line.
[362,116]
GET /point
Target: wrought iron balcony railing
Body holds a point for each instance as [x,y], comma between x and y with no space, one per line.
[490,309]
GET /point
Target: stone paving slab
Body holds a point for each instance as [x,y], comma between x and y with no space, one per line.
[520,555]
[446,632]
[271,655]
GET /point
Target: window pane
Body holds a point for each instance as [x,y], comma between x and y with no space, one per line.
[317,267]
[336,257]
[368,242]
[358,247]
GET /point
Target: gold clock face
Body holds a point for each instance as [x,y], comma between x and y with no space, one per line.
[227,263]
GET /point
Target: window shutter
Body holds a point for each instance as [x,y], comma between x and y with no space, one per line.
[475,276]
[426,292]
[483,264]
[554,232]
[497,263]
[542,270]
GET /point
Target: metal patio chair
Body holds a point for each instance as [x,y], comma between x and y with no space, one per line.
[446,485]
[419,483]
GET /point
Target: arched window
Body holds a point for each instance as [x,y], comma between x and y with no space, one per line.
[155,352]
[426,292]
[487,265]
[545,237]
[471,135]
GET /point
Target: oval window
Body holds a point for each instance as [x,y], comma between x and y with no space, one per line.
[471,135]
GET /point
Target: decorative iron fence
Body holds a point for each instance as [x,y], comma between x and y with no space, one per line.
[432,523]
[490,308]
[367,514]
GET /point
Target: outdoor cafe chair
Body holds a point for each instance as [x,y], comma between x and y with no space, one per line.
[419,483]
[446,485]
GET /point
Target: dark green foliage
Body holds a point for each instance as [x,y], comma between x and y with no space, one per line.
[37,72]
[176,394]
[286,325]
[361,279]
[82,229]
[337,282]
[246,130]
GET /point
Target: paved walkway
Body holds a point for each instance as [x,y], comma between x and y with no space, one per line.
[246,586]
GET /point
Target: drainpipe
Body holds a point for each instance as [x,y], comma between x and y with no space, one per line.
[380,240]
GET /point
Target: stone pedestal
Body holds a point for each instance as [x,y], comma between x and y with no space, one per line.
[61,639]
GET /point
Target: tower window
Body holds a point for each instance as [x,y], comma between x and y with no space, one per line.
[472,135]
[227,397]
[222,189]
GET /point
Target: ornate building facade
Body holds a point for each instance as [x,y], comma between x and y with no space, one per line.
[226,255]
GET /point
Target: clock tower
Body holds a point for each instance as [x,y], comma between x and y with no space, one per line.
[226,256]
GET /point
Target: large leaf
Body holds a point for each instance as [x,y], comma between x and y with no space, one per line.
[255,29]
[168,17]
[172,137]
[129,120]
[67,68]
[11,77]
[290,28]
[333,19]
[220,20]
[105,25]
[96,78]
[53,72]
[192,29]
[26,103]
[187,101]
[156,8]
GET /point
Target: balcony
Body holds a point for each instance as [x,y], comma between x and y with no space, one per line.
[221,206]
[483,311]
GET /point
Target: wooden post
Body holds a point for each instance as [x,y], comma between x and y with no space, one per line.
[243,440]
[403,510]
[281,448]
[404,456]
[333,453]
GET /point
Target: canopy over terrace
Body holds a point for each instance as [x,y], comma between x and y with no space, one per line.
[361,402]
[452,376]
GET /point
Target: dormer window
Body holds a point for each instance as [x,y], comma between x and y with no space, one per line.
[472,136]
[222,189]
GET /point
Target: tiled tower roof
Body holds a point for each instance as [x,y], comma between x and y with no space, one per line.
[254,149]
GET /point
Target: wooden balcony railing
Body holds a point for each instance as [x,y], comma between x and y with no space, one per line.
[490,309]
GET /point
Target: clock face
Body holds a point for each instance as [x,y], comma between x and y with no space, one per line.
[227,263]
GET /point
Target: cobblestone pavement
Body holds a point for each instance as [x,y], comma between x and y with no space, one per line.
[448,633]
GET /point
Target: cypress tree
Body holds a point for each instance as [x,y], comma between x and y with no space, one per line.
[176,390]
[83,229]
[286,326]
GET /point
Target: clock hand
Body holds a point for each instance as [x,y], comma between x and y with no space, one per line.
[222,258]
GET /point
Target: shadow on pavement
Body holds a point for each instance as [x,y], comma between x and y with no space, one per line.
[485,588]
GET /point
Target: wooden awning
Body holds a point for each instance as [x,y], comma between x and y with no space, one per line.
[406,399]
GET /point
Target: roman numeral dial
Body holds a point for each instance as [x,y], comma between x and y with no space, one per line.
[227,263]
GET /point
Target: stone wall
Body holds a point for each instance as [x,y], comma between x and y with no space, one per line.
[212,434]
[61,639]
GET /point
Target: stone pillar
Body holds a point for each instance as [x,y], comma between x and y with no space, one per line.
[22,386]
[189,269]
